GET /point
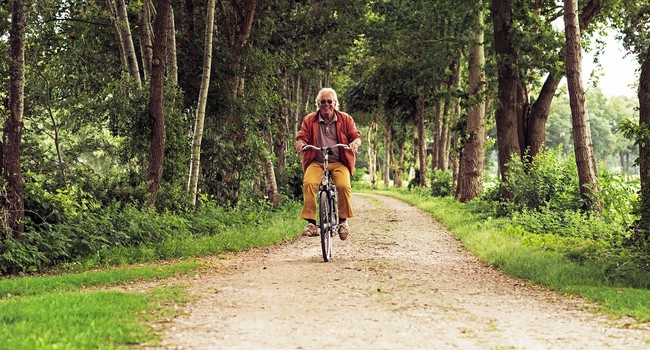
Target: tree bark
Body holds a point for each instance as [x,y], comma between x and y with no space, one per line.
[156,108]
[172,56]
[536,131]
[583,146]
[146,37]
[644,146]
[536,120]
[270,183]
[388,145]
[472,159]
[195,158]
[238,26]
[14,201]
[124,29]
[372,151]
[506,115]
[110,4]
[422,136]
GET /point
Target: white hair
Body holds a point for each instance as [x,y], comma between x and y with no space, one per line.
[334,96]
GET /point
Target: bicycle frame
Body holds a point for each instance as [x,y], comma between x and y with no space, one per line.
[328,202]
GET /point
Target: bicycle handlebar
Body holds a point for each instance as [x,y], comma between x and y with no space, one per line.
[325,148]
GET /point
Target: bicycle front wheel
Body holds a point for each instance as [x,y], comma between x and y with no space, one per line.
[325,226]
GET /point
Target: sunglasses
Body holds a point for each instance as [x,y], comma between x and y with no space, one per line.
[329,102]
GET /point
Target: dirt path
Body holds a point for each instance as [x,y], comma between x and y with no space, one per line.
[400,281]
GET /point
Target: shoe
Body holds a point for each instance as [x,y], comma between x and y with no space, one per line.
[310,230]
[344,230]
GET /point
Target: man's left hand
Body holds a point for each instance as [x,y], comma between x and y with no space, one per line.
[354,147]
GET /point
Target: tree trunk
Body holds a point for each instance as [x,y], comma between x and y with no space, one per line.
[583,146]
[388,144]
[297,93]
[453,118]
[146,37]
[536,130]
[124,28]
[422,136]
[644,145]
[195,158]
[270,183]
[443,156]
[536,120]
[506,115]
[172,56]
[110,4]
[238,27]
[372,151]
[14,202]
[472,159]
[399,167]
[437,136]
[156,110]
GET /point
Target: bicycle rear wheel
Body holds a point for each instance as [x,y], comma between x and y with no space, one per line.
[325,226]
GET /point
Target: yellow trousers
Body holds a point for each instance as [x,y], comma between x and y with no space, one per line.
[312,181]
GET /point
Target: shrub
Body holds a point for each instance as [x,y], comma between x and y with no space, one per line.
[549,180]
[441,183]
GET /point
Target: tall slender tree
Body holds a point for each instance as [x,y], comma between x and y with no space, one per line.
[583,145]
[146,37]
[472,159]
[156,110]
[506,113]
[13,205]
[126,40]
[202,102]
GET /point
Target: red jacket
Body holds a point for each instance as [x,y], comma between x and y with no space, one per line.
[346,132]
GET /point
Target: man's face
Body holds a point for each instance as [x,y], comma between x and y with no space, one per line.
[326,105]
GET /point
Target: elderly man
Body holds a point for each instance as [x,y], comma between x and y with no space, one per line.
[323,128]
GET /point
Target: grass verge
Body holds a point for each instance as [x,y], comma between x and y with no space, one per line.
[490,241]
[57,311]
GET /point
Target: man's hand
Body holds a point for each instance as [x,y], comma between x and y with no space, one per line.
[354,145]
[299,145]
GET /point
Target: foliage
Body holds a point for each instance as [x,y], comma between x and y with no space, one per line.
[82,228]
[441,182]
[549,180]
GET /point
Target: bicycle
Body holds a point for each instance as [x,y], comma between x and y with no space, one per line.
[328,208]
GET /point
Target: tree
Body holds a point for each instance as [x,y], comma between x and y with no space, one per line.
[472,159]
[13,205]
[146,39]
[583,146]
[202,101]
[156,112]
[127,48]
[506,113]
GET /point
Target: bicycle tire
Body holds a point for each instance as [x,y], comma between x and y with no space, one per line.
[325,226]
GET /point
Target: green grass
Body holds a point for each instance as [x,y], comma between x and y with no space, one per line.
[488,240]
[58,311]
[38,285]
[92,320]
